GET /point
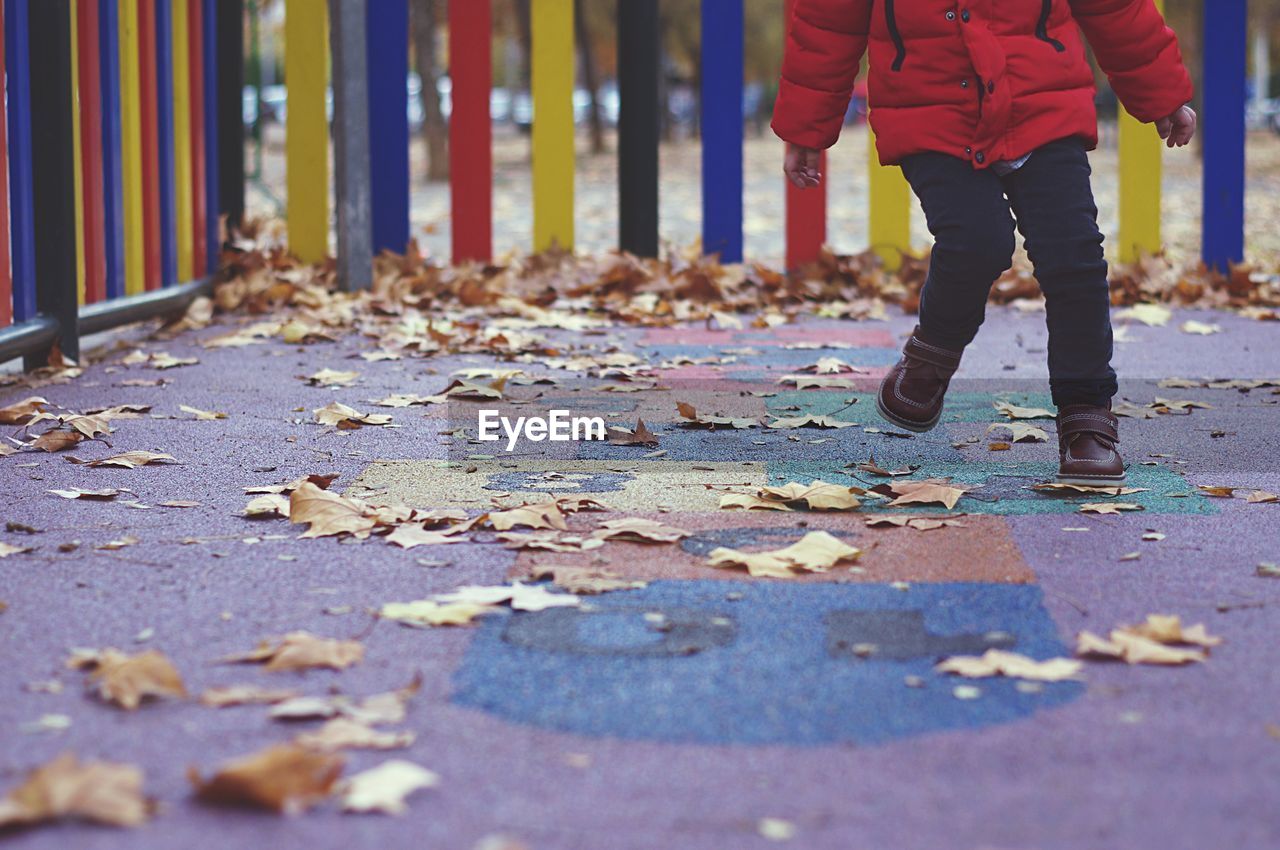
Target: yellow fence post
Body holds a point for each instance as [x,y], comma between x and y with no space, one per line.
[553,153]
[131,149]
[182,186]
[1141,169]
[889,197]
[79,162]
[306,46]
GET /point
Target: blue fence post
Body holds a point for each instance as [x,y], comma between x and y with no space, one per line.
[21,226]
[388,60]
[1225,47]
[722,34]
[164,139]
[112,197]
[213,250]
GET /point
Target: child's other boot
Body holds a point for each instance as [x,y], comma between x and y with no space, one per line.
[1087,438]
[911,394]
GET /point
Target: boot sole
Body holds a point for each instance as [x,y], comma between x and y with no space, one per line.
[915,427]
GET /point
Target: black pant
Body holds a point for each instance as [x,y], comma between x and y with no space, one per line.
[969,214]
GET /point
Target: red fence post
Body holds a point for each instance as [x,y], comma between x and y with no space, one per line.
[148,109]
[470,142]
[90,69]
[6,277]
[199,197]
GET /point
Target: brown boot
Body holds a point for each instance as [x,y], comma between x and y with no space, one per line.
[1087,437]
[911,394]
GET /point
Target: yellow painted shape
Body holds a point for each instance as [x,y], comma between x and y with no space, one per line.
[1141,170]
[553,154]
[889,196]
[131,148]
[306,46]
[182,142]
[78,153]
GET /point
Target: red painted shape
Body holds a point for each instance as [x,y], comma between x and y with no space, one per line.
[470,130]
[6,274]
[195,102]
[148,107]
[90,69]
[806,210]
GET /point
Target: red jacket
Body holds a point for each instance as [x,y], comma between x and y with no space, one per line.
[986,80]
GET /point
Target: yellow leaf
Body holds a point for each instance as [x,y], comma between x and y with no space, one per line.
[201,414]
[302,651]
[127,680]
[638,530]
[426,613]
[97,791]
[328,513]
[817,551]
[1013,411]
[996,662]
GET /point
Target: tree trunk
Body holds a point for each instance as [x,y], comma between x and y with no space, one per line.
[435,133]
[589,76]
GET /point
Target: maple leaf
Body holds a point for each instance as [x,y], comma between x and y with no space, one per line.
[871,467]
[57,440]
[817,496]
[7,549]
[1108,507]
[1021,432]
[1191,326]
[127,680]
[98,791]
[347,418]
[1215,491]
[1160,639]
[817,551]
[532,515]
[328,513]
[425,613]
[384,788]
[550,540]
[751,502]
[641,436]
[1098,489]
[343,733]
[821,382]
[521,597]
[693,418]
[301,651]
[1167,405]
[285,778]
[229,695]
[409,536]
[639,530]
[996,662]
[267,505]
[1013,411]
[205,415]
[584,581]
[1262,496]
[129,460]
[103,495]
[811,422]
[21,412]
[920,523]
[1152,315]
[332,378]
[389,707]
[930,491]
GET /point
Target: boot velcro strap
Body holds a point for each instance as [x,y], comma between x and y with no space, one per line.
[1100,424]
[931,354]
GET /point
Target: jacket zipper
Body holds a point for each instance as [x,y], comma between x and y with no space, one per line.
[891,21]
[1042,27]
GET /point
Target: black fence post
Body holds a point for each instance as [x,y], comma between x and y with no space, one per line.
[53,174]
[638,127]
[230,111]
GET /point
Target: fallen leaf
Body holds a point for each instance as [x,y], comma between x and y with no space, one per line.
[1262,496]
[127,680]
[692,417]
[532,515]
[302,651]
[285,778]
[327,513]
[417,534]
[77,493]
[1108,507]
[1102,490]
[776,829]
[426,613]
[56,440]
[817,551]
[521,597]
[344,417]
[389,707]
[1218,492]
[385,787]
[1020,431]
[920,523]
[1152,315]
[639,530]
[1191,326]
[229,695]
[131,460]
[938,491]
[996,662]
[343,733]
[98,791]
[21,412]
[584,581]
[201,414]
[811,422]
[641,436]
[332,378]
[1160,639]
[7,549]
[1013,411]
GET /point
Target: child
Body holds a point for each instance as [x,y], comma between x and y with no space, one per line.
[987,105]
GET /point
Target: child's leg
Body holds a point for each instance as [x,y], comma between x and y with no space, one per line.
[1053,201]
[969,218]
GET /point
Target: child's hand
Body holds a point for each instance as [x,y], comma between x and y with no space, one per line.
[803,166]
[1179,128]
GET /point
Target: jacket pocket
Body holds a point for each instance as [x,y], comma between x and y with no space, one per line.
[891,22]
[1042,26]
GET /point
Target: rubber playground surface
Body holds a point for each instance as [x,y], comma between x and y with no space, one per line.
[750,719]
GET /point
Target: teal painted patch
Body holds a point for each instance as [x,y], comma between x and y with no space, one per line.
[1003,487]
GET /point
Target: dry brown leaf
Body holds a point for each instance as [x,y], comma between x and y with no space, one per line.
[21,412]
[302,651]
[747,501]
[1108,507]
[103,495]
[268,505]
[285,778]
[532,515]
[552,541]
[939,491]
[1020,431]
[7,549]
[584,581]
[417,534]
[1262,497]
[641,436]
[205,415]
[521,597]
[1160,639]
[385,787]
[130,460]
[346,418]
[1093,489]
[639,530]
[127,680]
[692,418]
[817,496]
[817,551]
[425,613]
[996,662]
[919,523]
[229,695]
[96,791]
[343,733]
[788,423]
[328,513]
[1013,411]
[56,440]
[332,378]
